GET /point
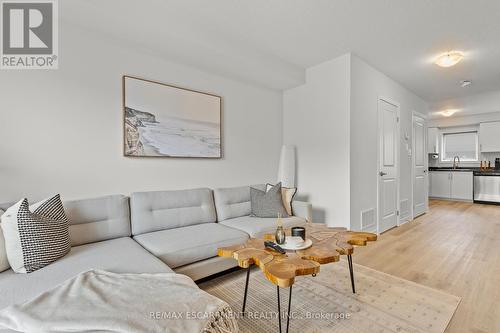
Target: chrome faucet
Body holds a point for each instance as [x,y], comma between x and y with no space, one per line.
[455,163]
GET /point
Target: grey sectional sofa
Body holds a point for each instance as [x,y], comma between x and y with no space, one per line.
[150,232]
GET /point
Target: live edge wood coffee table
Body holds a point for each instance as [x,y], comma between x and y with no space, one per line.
[281,269]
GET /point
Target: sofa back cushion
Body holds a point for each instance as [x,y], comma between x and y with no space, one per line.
[161,210]
[234,201]
[6,205]
[98,219]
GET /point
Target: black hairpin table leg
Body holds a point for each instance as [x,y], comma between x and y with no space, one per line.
[351,271]
[246,291]
[279,307]
[289,308]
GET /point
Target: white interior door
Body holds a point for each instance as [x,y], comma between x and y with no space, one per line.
[388,118]
[420,177]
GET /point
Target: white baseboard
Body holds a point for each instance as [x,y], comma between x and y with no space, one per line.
[404,220]
[370,228]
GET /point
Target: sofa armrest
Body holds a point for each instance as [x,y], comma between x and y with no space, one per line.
[302,209]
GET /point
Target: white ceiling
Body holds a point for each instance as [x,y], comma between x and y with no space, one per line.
[482,103]
[271,42]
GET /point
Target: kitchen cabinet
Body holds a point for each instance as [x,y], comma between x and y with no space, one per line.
[462,185]
[440,184]
[457,185]
[489,137]
[432,140]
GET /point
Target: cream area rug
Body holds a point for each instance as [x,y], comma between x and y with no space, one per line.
[325,303]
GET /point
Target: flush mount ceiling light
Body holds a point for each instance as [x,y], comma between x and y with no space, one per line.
[465,83]
[449,59]
[449,112]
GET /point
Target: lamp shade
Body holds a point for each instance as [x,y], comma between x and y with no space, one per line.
[286,170]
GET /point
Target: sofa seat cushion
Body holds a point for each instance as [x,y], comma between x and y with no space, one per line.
[186,245]
[120,255]
[258,226]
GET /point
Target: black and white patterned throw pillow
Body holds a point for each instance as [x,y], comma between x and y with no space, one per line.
[36,235]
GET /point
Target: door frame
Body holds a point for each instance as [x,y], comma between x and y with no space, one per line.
[426,138]
[397,161]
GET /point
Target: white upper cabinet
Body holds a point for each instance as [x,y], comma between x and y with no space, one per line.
[489,137]
[432,140]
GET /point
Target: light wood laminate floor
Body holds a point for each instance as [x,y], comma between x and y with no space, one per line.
[455,247]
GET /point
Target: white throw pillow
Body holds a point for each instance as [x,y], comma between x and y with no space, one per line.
[36,235]
[287,195]
[4,262]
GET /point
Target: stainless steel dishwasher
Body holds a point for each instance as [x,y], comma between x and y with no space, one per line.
[487,187]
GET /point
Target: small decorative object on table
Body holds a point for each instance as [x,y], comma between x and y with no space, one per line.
[280,232]
[300,232]
[294,243]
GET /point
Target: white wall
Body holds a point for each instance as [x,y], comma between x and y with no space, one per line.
[316,120]
[61,130]
[367,85]
[332,119]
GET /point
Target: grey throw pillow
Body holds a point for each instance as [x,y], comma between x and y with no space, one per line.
[267,204]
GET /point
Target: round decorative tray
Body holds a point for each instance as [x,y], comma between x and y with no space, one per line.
[307,243]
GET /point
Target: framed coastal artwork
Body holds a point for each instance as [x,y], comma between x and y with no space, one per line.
[162,120]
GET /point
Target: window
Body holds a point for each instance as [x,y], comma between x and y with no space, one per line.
[463,145]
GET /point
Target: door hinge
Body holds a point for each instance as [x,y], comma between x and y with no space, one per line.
[397,212]
[397,119]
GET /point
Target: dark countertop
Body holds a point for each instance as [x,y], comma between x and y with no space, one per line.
[451,169]
[477,171]
[487,173]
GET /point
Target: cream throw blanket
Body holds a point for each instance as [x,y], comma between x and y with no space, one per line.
[97,301]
